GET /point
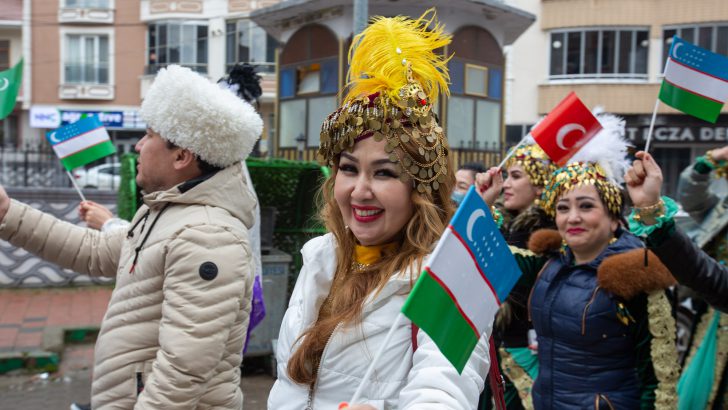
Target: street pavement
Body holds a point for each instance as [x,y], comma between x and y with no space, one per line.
[25,391]
[28,319]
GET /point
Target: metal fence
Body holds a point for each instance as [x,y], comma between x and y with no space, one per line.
[40,168]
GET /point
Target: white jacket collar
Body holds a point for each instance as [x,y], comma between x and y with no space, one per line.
[319,260]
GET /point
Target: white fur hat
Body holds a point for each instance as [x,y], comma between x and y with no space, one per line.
[194,113]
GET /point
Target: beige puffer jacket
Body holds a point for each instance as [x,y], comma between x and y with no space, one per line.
[176,323]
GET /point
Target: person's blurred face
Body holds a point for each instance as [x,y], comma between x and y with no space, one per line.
[584,222]
[518,192]
[374,203]
[155,167]
[464,179]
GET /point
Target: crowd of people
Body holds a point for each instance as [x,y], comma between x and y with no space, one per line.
[588,325]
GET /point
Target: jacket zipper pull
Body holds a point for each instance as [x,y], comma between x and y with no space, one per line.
[136,257]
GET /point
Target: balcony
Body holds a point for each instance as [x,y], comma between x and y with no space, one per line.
[86,91]
[78,15]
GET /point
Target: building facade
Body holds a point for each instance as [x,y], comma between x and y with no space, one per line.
[84,57]
[11,51]
[211,36]
[315,37]
[612,54]
[100,56]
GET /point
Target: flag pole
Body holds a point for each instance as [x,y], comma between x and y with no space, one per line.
[73,181]
[654,112]
[370,370]
[652,125]
[511,152]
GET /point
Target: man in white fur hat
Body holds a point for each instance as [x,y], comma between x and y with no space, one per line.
[176,322]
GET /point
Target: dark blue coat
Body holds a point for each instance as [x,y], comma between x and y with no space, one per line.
[588,356]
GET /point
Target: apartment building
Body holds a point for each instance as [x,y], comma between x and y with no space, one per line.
[84,57]
[211,36]
[315,36]
[612,54]
[100,56]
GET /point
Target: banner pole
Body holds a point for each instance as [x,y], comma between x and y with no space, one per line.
[73,181]
[511,152]
[370,370]
[652,125]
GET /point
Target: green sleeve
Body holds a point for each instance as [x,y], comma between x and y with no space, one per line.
[640,229]
[643,344]
[529,263]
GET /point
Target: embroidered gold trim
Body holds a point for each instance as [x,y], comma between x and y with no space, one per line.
[519,377]
[663,350]
[721,358]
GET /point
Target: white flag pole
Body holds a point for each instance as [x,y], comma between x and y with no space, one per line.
[652,125]
[511,152]
[73,181]
[654,112]
[370,370]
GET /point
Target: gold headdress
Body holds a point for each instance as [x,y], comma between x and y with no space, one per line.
[394,80]
[534,161]
[601,162]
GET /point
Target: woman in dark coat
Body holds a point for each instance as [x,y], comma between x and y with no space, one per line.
[605,331]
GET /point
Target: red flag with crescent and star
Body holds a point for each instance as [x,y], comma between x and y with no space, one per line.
[566,129]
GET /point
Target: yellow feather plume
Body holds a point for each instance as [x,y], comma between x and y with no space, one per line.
[377,54]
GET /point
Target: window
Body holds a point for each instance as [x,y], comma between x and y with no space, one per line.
[476,80]
[248,43]
[599,54]
[87,4]
[713,37]
[476,85]
[307,85]
[86,59]
[183,43]
[4,55]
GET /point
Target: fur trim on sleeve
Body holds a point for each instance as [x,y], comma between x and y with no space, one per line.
[544,240]
[626,275]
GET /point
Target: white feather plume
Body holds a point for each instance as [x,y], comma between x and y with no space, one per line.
[608,148]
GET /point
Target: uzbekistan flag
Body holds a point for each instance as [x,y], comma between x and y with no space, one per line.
[80,143]
[696,80]
[470,272]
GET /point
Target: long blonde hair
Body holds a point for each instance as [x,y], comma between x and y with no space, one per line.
[432,211]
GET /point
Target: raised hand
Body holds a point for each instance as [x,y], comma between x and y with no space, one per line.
[95,215]
[644,181]
[720,154]
[489,184]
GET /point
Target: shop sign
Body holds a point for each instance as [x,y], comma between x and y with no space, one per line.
[44,117]
[108,118]
[680,134]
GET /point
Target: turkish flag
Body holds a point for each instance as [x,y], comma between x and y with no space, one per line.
[566,129]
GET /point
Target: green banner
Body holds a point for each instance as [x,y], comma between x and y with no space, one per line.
[10,81]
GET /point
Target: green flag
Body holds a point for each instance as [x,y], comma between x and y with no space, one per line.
[10,81]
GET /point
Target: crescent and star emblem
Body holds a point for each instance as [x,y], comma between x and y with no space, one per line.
[471,222]
[5,84]
[674,51]
[564,131]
